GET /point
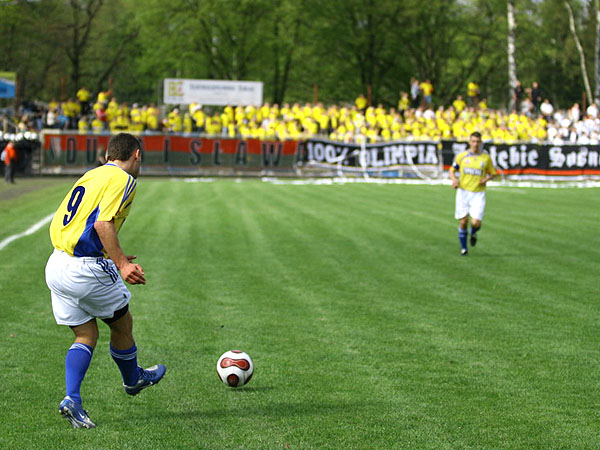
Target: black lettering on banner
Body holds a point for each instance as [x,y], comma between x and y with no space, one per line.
[91,149]
[241,154]
[271,153]
[166,150]
[301,151]
[217,153]
[71,150]
[195,146]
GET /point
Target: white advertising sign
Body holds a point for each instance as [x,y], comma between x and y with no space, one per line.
[212,92]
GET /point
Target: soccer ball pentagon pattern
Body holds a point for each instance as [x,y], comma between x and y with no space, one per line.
[235,368]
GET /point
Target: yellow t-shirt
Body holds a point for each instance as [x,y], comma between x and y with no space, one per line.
[101,194]
[427,88]
[473,167]
[459,104]
[83,95]
[472,89]
[360,102]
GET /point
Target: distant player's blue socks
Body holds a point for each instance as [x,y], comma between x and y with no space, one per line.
[77,362]
[462,237]
[474,230]
[127,362]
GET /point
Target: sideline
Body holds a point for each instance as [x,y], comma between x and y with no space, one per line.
[491,184]
[32,229]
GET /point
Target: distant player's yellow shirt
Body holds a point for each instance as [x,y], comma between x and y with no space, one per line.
[473,167]
[101,194]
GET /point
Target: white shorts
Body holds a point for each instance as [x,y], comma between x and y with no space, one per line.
[84,288]
[469,203]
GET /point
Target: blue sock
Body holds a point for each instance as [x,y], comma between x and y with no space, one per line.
[462,237]
[127,362]
[474,230]
[77,362]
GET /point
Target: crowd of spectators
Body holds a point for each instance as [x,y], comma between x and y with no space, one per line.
[534,119]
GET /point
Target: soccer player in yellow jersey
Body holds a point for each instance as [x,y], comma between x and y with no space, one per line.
[475,169]
[82,273]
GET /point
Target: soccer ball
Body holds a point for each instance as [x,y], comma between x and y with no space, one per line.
[235,368]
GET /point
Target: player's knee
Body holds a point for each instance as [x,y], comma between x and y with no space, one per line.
[90,338]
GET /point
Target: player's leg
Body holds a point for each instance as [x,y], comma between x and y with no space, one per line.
[475,226]
[462,234]
[122,345]
[79,357]
[124,352]
[461,213]
[77,363]
[476,211]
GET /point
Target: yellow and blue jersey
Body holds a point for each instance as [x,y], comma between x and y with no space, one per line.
[101,194]
[473,167]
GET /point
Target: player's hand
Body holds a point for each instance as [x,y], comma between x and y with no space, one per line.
[455,184]
[133,274]
[130,257]
[483,181]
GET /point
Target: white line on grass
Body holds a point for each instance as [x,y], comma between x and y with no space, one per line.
[32,229]
[491,184]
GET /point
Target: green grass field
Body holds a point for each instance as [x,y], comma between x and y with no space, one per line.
[367,329]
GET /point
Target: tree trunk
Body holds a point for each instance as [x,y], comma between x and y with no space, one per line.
[512,65]
[586,81]
[597,86]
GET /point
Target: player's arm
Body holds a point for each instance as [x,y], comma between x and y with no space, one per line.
[488,177]
[491,174]
[132,273]
[452,172]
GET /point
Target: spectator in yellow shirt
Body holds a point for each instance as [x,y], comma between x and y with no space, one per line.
[152,122]
[174,121]
[403,103]
[360,102]
[427,90]
[103,97]
[83,95]
[472,94]
[83,125]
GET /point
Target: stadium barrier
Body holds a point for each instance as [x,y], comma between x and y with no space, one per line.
[191,155]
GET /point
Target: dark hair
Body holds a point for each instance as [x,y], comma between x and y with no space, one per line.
[122,146]
[476,134]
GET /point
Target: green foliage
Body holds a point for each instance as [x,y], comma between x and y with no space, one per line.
[344,47]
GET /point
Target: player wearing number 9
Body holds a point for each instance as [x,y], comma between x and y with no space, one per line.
[82,273]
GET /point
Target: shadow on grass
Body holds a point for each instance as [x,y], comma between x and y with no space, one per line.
[274,410]
[250,389]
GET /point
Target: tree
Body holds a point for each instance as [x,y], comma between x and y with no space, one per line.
[83,13]
[580,51]
[512,65]
[597,51]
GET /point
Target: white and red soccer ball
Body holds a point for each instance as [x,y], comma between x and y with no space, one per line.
[235,368]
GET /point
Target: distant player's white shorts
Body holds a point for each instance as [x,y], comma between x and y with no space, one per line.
[469,204]
[84,288]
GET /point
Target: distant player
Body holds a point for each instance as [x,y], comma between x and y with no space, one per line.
[82,273]
[475,169]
